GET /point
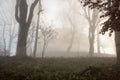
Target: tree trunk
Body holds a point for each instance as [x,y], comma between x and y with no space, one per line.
[71,41]
[4,41]
[9,46]
[22,41]
[117,44]
[36,37]
[91,41]
[44,47]
[24,20]
[37,29]
[98,44]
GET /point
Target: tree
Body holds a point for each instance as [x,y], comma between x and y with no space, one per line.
[24,20]
[111,10]
[92,16]
[5,50]
[73,31]
[4,41]
[71,12]
[37,30]
[12,35]
[7,13]
[48,33]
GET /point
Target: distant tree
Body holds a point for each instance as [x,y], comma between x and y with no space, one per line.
[5,50]
[73,31]
[111,10]
[24,20]
[93,18]
[4,40]
[10,28]
[48,33]
[30,39]
[37,30]
[71,12]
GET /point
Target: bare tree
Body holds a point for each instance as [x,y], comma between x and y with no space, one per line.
[92,16]
[48,33]
[21,11]
[12,36]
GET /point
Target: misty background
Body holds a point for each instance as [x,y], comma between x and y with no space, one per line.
[66,18]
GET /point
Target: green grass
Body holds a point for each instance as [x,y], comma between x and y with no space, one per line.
[48,68]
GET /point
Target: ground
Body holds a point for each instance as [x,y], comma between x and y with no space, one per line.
[12,68]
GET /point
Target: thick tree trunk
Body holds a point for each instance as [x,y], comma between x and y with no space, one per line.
[24,20]
[22,41]
[117,44]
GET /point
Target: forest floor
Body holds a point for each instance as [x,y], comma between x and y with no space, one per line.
[12,68]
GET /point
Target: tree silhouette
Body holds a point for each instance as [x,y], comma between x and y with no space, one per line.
[24,20]
[111,10]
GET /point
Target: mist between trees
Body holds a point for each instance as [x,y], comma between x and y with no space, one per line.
[56,28]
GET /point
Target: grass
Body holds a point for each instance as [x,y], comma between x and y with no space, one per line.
[12,68]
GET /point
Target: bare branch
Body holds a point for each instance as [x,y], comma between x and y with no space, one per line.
[31,12]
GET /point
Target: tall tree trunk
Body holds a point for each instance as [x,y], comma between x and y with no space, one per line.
[36,37]
[24,20]
[44,48]
[91,41]
[98,44]
[72,35]
[37,29]
[117,44]
[22,41]
[4,40]
[9,46]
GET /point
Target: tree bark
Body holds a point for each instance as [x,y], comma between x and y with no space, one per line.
[22,41]
[117,44]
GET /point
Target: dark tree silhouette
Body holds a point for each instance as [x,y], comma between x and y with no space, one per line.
[24,20]
[111,10]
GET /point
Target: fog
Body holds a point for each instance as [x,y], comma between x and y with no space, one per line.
[66,19]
